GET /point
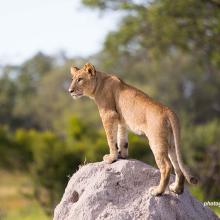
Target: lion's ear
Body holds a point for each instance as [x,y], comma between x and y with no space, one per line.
[89,68]
[73,69]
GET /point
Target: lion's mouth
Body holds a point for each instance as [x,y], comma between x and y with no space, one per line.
[75,95]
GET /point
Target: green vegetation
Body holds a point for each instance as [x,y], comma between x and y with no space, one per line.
[169,49]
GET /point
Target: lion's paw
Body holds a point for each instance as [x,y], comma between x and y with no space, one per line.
[155,191]
[109,158]
[122,155]
[175,188]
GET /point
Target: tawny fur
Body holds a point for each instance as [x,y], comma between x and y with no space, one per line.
[124,107]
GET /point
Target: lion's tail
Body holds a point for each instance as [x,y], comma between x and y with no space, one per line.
[176,134]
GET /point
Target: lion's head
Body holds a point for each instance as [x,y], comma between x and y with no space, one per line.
[83,81]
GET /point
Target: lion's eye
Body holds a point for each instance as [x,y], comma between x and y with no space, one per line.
[79,79]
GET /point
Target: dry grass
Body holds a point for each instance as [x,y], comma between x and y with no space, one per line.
[16,196]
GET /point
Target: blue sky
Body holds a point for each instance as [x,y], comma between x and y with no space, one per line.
[29,26]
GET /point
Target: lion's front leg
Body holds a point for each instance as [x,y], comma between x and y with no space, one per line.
[122,141]
[110,123]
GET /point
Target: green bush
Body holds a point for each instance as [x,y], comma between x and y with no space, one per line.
[50,158]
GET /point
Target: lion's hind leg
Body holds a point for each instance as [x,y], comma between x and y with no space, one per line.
[164,165]
[178,185]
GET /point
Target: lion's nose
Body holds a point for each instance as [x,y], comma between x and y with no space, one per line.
[71,90]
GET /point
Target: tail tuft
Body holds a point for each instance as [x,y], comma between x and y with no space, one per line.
[193,180]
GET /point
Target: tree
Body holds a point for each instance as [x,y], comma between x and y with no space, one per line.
[171,45]
[27,80]
[170,49]
[160,26]
[8,90]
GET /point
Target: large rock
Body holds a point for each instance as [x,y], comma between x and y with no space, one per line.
[120,191]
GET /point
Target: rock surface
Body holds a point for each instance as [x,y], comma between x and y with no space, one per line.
[120,191]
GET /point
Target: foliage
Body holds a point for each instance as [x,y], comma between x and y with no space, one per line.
[50,159]
[163,25]
[169,49]
[7,98]
[204,154]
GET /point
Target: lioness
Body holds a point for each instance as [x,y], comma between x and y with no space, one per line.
[123,107]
